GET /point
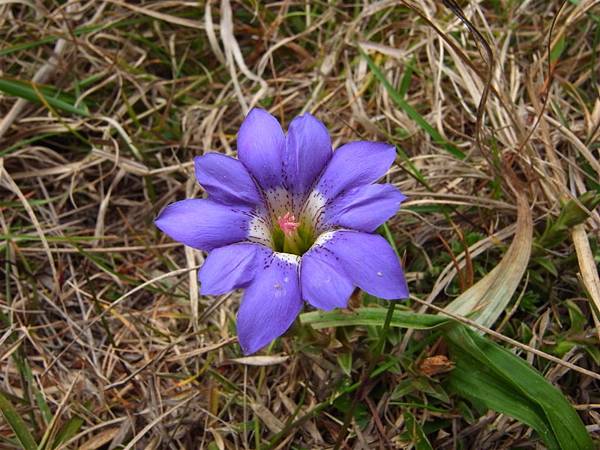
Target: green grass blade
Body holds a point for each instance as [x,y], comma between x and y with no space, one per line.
[371,317]
[412,169]
[418,437]
[558,49]
[78,32]
[68,430]
[27,375]
[412,112]
[16,423]
[27,45]
[49,96]
[406,77]
[488,374]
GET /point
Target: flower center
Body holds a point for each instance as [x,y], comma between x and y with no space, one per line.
[291,235]
[288,223]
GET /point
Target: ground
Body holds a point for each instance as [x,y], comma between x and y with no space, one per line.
[106,342]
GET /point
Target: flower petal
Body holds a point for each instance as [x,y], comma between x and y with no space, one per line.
[355,164]
[364,208]
[226,180]
[307,150]
[271,303]
[203,224]
[324,282]
[261,144]
[230,267]
[369,261]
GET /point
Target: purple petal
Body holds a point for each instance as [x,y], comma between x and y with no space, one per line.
[370,263]
[230,267]
[355,164]
[226,180]
[364,208]
[324,282]
[307,150]
[261,144]
[270,305]
[203,224]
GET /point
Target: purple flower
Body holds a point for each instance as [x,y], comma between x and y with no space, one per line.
[290,220]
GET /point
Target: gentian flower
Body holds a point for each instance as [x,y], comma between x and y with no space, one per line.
[290,221]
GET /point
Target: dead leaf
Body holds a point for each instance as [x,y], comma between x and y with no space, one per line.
[260,360]
[486,300]
[435,365]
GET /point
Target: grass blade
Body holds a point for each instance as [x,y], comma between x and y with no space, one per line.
[48,95]
[16,423]
[410,111]
[371,317]
[490,375]
[68,430]
[77,32]
[418,437]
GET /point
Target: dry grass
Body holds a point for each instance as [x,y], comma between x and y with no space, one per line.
[101,312]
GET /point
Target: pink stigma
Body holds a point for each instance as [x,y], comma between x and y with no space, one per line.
[288,223]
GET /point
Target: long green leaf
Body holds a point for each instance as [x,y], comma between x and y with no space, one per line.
[410,111]
[483,387]
[16,423]
[371,317]
[25,90]
[488,374]
[485,373]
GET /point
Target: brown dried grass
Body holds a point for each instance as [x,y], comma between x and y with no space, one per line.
[106,311]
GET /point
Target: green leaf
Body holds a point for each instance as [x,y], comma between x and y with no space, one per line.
[576,317]
[68,430]
[422,384]
[558,49]
[410,111]
[17,424]
[546,264]
[27,375]
[359,411]
[489,375]
[415,432]
[557,231]
[406,77]
[345,362]
[41,95]
[371,317]
[594,352]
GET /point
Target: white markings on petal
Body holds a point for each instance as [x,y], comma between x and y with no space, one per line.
[323,238]
[279,202]
[288,257]
[259,231]
[282,204]
[313,209]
